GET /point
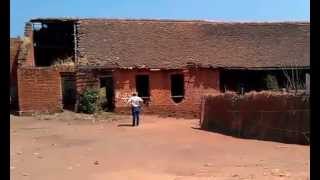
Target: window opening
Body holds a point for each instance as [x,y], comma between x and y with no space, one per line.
[142,87]
[177,87]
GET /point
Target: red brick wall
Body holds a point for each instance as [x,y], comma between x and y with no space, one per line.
[267,116]
[86,79]
[39,90]
[197,83]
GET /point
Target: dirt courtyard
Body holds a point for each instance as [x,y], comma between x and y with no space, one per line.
[70,146]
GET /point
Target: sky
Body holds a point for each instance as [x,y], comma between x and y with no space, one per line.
[22,11]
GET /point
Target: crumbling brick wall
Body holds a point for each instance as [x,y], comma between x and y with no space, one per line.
[15,44]
[86,78]
[14,52]
[267,116]
[39,90]
[26,54]
[196,83]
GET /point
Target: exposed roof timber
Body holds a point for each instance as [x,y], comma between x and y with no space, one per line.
[53,20]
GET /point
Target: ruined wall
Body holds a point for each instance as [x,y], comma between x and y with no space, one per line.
[15,44]
[87,78]
[266,116]
[26,54]
[196,83]
[39,89]
[14,52]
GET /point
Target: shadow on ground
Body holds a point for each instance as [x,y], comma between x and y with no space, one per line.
[124,125]
[259,137]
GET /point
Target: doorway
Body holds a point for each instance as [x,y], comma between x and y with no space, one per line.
[106,84]
[68,91]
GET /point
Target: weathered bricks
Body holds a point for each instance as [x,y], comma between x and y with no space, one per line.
[39,90]
[197,83]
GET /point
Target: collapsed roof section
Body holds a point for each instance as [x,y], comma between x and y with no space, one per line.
[54,41]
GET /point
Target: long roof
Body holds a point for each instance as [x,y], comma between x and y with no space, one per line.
[175,44]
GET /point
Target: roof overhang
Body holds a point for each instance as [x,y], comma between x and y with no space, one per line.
[266,68]
[53,20]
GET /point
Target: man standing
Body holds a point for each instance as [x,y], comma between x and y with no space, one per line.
[135,102]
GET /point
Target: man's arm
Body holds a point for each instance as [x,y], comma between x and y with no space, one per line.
[129,100]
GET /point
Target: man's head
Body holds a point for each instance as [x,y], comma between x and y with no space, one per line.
[134,94]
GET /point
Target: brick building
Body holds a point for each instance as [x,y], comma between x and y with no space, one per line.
[170,63]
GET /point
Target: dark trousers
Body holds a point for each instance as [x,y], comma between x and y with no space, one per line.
[135,115]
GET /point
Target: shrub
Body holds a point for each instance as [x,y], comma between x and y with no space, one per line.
[102,100]
[271,82]
[88,101]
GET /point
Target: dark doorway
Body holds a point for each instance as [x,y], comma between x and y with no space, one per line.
[142,86]
[177,87]
[257,80]
[68,91]
[106,83]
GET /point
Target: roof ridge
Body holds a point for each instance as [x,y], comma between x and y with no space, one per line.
[168,20]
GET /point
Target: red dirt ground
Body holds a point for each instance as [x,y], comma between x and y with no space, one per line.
[71,146]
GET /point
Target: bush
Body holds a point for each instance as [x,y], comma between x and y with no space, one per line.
[88,101]
[271,82]
[102,99]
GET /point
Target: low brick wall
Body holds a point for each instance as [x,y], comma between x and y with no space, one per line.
[265,116]
[39,89]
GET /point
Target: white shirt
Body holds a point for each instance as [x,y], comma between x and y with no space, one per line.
[135,101]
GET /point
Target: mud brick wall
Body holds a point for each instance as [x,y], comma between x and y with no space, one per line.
[39,90]
[196,83]
[265,116]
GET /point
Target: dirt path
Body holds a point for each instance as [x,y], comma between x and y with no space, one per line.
[71,146]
